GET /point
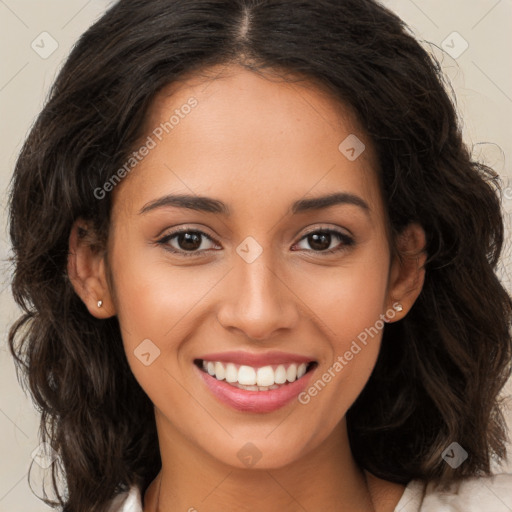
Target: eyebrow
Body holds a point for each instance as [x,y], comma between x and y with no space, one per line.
[211,205]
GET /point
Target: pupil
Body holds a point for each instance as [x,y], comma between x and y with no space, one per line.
[320,241]
[191,241]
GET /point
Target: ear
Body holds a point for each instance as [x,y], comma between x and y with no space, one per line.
[407,273]
[87,270]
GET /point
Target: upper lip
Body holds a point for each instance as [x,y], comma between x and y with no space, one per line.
[256,360]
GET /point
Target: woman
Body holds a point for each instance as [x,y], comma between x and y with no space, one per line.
[257,267]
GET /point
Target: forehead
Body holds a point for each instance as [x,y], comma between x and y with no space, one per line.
[229,132]
[263,102]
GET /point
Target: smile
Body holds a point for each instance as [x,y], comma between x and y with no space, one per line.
[251,378]
[255,383]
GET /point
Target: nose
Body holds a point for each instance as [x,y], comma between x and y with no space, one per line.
[258,301]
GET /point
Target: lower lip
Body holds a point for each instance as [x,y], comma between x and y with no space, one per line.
[255,401]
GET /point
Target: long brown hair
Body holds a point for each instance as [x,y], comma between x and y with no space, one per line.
[440,369]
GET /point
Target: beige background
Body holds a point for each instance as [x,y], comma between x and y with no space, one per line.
[481,77]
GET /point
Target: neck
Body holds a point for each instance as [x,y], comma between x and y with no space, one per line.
[327,478]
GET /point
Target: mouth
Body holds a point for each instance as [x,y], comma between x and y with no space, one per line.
[256,378]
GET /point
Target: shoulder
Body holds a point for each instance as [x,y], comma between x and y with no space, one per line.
[129,501]
[477,494]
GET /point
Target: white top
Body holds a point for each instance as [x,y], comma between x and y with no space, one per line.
[477,494]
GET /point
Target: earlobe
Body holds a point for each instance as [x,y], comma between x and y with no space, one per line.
[407,270]
[87,272]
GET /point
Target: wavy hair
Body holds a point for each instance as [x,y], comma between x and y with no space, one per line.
[440,369]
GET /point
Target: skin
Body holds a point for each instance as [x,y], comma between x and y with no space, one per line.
[258,145]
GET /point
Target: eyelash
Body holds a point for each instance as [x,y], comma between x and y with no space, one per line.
[346,240]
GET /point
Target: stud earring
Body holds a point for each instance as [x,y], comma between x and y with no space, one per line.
[100,303]
[397,307]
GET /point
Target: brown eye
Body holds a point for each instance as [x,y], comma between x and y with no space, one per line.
[186,242]
[321,240]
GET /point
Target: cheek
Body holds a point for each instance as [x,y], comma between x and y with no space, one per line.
[348,298]
[349,304]
[153,296]
[157,305]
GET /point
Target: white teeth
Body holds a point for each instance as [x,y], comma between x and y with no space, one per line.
[291,373]
[246,375]
[265,376]
[280,375]
[220,373]
[255,379]
[255,388]
[231,373]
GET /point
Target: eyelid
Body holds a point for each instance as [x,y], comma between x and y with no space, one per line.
[334,229]
[172,234]
[346,239]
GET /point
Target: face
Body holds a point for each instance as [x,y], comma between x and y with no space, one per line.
[262,280]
